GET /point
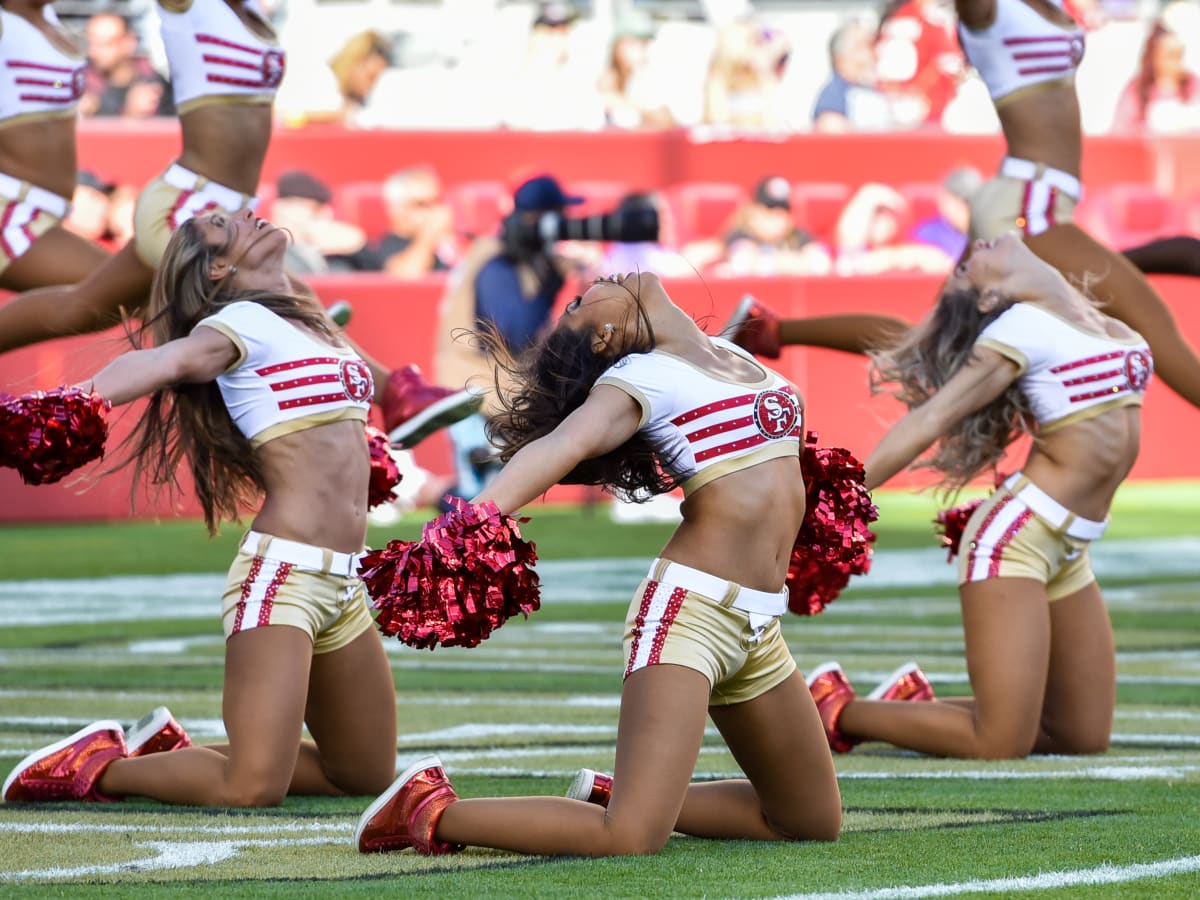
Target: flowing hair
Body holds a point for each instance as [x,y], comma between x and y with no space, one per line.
[540,387]
[926,358]
[191,420]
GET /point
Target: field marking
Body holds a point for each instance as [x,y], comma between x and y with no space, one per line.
[170,855]
[195,596]
[74,827]
[1103,874]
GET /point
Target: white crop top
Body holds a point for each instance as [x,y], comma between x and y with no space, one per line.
[1068,374]
[214,56]
[702,426]
[37,79]
[284,380]
[1021,49]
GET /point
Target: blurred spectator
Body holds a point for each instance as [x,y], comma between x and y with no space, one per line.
[646,256]
[632,95]
[1164,97]
[420,239]
[121,202]
[850,100]
[919,63]
[339,89]
[508,282]
[872,236]
[90,208]
[946,229]
[1088,13]
[765,240]
[743,88]
[553,89]
[320,243]
[119,81]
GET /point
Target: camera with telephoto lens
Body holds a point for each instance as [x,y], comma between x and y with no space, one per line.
[623,225]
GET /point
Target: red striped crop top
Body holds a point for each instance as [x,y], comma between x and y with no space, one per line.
[37,79]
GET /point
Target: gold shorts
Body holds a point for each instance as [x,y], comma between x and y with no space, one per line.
[1007,538]
[670,623]
[1024,197]
[170,200]
[26,213]
[262,590]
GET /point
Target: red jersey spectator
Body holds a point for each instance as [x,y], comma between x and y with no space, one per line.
[119,80]
[919,63]
[1164,97]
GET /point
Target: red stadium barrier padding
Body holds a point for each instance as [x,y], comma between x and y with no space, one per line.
[397,322]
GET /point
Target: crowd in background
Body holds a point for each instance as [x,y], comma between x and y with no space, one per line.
[551,66]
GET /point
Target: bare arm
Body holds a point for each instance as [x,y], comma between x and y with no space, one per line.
[976,14]
[607,419]
[197,358]
[984,378]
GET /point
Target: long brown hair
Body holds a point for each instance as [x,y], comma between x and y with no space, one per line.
[191,420]
[915,368]
[1147,76]
[539,388]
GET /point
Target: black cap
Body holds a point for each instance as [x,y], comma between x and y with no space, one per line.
[542,193]
[88,178]
[305,185]
[775,192]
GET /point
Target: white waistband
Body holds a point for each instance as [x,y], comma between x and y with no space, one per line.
[720,590]
[22,191]
[306,556]
[1057,515]
[187,180]
[1027,170]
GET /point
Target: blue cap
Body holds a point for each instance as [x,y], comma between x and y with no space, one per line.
[542,193]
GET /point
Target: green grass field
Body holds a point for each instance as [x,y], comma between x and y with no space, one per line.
[108,621]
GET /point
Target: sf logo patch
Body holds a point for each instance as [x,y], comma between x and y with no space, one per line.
[356,380]
[1138,367]
[272,68]
[776,413]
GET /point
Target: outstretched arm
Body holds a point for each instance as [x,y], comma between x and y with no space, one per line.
[984,378]
[197,358]
[976,14]
[607,419]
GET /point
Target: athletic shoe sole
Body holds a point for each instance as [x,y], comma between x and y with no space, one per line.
[150,725]
[446,411]
[102,725]
[581,787]
[340,312]
[740,314]
[821,670]
[426,762]
[891,680]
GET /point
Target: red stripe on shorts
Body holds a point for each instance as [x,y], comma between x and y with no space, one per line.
[668,619]
[264,612]
[983,527]
[639,623]
[1005,540]
[247,586]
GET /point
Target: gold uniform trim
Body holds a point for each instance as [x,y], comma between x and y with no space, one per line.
[213,99]
[1007,351]
[233,336]
[44,116]
[775,450]
[1131,398]
[1023,92]
[345,414]
[175,6]
[622,385]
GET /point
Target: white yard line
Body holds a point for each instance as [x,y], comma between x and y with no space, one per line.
[1104,874]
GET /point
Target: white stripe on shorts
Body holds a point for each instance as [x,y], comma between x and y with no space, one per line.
[659,605]
[1004,521]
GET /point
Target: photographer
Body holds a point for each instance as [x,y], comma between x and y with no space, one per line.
[510,281]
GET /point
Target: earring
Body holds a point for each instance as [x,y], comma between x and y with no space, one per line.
[608,327]
[233,270]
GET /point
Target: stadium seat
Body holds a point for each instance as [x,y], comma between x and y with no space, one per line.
[1129,213]
[478,206]
[702,209]
[816,206]
[922,197]
[361,202]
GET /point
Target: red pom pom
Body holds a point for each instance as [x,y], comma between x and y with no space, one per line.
[385,474]
[834,541]
[45,435]
[467,575]
[951,523]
